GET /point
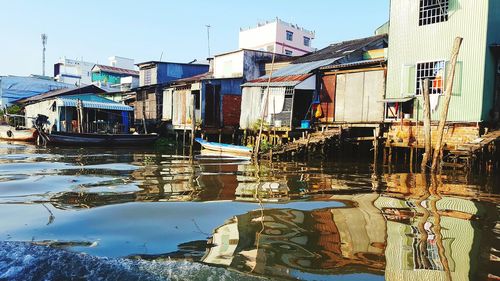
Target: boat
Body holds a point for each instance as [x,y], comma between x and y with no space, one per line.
[209,155]
[13,128]
[12,133]
[225,148]
[92,139]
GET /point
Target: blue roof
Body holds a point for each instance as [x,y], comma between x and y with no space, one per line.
[93,101]
[13,88]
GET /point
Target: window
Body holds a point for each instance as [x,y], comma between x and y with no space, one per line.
[307,41]
[434,71]
[147,76]
[288,52]
[433,11]
[289,35]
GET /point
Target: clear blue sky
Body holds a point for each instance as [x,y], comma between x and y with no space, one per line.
[142,30]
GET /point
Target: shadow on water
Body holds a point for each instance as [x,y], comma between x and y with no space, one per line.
[315,220]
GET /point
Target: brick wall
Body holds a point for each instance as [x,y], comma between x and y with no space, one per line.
[231,110]
[411,134]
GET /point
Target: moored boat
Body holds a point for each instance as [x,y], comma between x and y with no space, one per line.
[12,133]
[87,139]
[225,148]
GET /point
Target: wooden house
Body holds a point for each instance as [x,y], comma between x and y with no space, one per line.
[154,76]
[296,90]
[100,115]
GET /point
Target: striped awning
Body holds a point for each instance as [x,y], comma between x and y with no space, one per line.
[111,105]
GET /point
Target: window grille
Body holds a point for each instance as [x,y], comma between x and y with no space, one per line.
[433,11]
[289,35]
[435,72]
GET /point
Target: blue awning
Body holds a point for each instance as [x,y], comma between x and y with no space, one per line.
[93,101]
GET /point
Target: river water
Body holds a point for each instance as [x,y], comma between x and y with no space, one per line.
[146,214]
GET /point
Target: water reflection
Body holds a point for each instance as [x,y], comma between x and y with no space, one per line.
[286,220]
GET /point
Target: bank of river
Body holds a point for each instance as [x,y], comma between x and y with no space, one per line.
[125,214]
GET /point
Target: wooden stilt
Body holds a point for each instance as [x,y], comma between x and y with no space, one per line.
[444,112]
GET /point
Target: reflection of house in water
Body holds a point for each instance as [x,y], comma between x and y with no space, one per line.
[321,241]
[429,237]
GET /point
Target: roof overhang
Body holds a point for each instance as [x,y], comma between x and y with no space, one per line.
[400,100]
[94,104]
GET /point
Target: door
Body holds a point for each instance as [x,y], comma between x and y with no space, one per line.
[212,106]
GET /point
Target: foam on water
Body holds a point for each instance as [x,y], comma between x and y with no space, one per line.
[25,261]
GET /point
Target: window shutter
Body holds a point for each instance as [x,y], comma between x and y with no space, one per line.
[408,80]
[457,82]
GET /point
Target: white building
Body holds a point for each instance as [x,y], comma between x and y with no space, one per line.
[74,72]
[121,62]
[279,37]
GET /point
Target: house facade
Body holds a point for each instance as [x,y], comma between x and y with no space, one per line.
[298,89]
[154,77]
[421,39]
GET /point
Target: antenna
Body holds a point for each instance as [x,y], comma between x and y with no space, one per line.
[208,38]
[44,44]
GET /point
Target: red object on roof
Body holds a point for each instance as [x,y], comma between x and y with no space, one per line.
[117,70]
[289,78]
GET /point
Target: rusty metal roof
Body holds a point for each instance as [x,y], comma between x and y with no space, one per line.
[354,64]
[280,81]
[116,70]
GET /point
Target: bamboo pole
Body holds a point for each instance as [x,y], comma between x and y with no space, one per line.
[427,126]
[444,112]
[266,97]
[193,123]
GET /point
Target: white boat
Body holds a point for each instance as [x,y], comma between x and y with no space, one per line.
[12,133]
[225,148]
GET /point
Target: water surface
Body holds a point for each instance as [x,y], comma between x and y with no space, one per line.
[145,214]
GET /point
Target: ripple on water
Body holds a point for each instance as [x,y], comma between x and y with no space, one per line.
[24,261]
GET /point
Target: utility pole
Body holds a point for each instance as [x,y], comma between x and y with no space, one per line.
[208,38]
[44,44]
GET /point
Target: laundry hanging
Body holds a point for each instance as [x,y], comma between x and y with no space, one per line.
[434,101]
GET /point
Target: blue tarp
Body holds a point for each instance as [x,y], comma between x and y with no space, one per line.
[13,88]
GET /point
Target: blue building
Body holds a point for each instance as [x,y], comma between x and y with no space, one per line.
[153,77]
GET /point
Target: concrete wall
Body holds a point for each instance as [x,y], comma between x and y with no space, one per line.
[271,37]
[45,108]
[229,65]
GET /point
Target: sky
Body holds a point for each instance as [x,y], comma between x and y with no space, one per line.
[94,30]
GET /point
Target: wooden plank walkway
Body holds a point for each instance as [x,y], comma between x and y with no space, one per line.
[464,156]
[303,144]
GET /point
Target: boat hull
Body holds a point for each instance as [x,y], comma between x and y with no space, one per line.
[224,148]
[14,134]
[77,139]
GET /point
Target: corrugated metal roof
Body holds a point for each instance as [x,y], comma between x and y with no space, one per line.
[93,101]
[13,88]
[117,70]
[342,49]
[280,81]
[196,78]
[90,89]
[302,68]
[354,64]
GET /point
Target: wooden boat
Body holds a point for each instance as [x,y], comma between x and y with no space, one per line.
[12,133]
[84,139]
[208,155]
[225,148]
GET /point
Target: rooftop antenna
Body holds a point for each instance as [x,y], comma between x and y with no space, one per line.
[208,38]
[44,44]
[161,56]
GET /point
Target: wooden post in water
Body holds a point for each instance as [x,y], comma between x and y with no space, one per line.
[427,126]
[444,112]
[266,97]
[193,124]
